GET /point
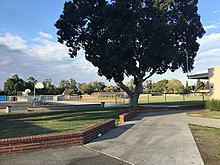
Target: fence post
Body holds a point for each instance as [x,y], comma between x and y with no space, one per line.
[148,97]
[165,98]
[203,98]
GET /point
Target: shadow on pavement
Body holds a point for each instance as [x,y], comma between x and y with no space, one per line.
[114,133]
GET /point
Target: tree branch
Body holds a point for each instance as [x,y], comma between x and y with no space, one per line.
[125,88]
[151,74]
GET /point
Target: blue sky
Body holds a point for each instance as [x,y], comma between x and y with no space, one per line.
[28,45]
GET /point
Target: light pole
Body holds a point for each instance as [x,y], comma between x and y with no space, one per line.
[187,63]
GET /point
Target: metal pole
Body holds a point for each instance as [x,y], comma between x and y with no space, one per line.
[34,95]
[165,98]
[187,63]
[203,98]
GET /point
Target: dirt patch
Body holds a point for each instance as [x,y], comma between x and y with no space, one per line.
[208,142]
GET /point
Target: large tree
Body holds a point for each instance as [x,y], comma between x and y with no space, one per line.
[175,86]
[132,38]
[13,85]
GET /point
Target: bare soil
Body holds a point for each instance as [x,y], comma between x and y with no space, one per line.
[208,142]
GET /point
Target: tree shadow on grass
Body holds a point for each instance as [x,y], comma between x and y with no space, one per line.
[18,128]
[17,125]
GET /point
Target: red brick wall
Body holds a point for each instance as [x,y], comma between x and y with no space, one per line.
[21,144]
[128,115]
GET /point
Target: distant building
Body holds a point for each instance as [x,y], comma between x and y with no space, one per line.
[213,76]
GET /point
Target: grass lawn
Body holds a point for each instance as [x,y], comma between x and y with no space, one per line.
[12,125]
[208,142]
[205,113]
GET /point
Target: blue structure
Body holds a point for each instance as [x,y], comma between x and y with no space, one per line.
[3,98]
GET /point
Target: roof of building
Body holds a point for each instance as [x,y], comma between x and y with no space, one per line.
[199,76]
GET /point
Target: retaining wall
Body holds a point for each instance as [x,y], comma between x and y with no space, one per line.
[128,115]
[21,144]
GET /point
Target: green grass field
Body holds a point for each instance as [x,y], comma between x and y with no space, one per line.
[75,120]
[52,122]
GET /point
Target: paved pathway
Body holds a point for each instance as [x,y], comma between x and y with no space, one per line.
[76,155]
[161,138]
[204,121]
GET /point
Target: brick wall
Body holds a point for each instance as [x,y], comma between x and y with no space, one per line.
[21,144]
[129,114]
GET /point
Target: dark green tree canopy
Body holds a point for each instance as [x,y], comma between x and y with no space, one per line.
[13,85]
[132,38]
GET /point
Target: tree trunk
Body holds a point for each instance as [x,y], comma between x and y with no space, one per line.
[133,95]
[134,100]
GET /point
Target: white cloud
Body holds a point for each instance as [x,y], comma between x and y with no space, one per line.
[43,59]
[216,11]
[45,35]
[13,42]
[209,42]
[209,53]
[44,49]
[48,51]
[208,27]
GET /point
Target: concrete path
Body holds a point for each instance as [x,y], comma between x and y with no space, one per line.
[76,155]
[161,138]
[204,121]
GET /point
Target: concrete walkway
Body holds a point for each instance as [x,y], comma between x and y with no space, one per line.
[76,155]
[204,121]
[161,138]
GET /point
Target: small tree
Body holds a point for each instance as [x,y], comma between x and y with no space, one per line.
[132,38]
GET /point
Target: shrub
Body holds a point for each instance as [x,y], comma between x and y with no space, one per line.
[213,105]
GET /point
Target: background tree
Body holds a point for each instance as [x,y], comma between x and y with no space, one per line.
[132,38]
[130,84]
[206,85]
[175,86]
[31,81]
[112,89]
[91,87]
[148,86]
[199,85]
[68,84]
[2,92]
[47,83]
[187,88]
[161,86]
[14,84]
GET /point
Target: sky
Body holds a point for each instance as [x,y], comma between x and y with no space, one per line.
[29,47]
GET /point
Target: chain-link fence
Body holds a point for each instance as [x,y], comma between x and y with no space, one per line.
[150,98]
[117,98]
